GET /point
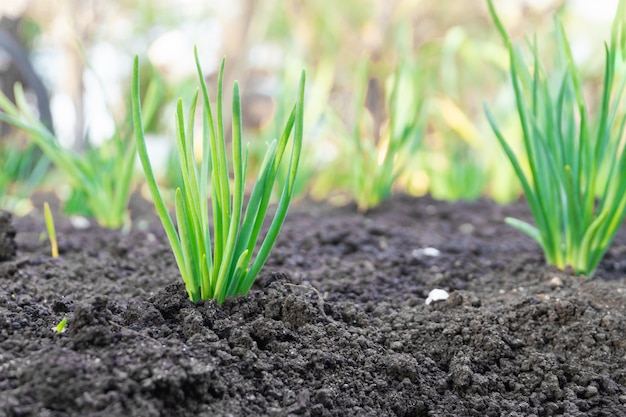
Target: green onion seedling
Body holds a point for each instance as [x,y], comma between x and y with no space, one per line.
[52,235]
[577,211]
[221,265]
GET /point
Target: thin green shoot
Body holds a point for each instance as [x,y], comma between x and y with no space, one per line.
[60,328]
[102,177]
[567,146]
[221,265]
[52,234]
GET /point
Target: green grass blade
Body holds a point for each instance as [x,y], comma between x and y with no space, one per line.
[161,209]
[254,216]
[525,227]
[285,198]
[528,191]
[237,205]
[220,174]
[261,194]
[184,219]
[209,161]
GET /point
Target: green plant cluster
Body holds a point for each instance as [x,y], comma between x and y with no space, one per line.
[575,187]
[223,265]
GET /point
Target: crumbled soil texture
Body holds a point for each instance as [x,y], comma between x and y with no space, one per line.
[336,325]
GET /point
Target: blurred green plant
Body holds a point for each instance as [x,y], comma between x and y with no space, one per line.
[100,178]
[567,144]
[222,266]
[456,173]
[458,156]
[315,121]
[451,155]
[377,157]
[23,170]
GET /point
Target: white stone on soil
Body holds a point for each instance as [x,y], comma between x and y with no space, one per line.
[437,295]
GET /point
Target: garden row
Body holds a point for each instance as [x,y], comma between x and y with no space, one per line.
[571,170]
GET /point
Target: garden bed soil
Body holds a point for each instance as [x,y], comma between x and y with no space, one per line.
[336,325]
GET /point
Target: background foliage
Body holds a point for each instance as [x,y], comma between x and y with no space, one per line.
[83,52]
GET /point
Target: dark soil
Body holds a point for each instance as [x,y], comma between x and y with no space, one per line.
[336,325]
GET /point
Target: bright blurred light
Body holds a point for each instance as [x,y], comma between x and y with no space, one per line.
[172,52]
[598,11]
[13,8]
[99,124]
[64,118]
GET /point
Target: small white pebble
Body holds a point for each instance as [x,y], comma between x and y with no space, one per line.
[79,222]
[437,295]
[556,281]
[431,252]
[426,252]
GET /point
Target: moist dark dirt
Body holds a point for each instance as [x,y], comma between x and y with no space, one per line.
[336,325]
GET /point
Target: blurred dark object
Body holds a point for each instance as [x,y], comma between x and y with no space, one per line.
[8,247]
[15,66]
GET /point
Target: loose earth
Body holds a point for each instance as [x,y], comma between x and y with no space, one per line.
[337,324]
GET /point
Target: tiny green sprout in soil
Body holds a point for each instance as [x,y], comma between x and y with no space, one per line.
[577,211]
[221,265]
[60,328]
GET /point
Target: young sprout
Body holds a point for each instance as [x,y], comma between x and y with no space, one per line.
[60,328]
[221,265]
[575,185]
[52,235]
